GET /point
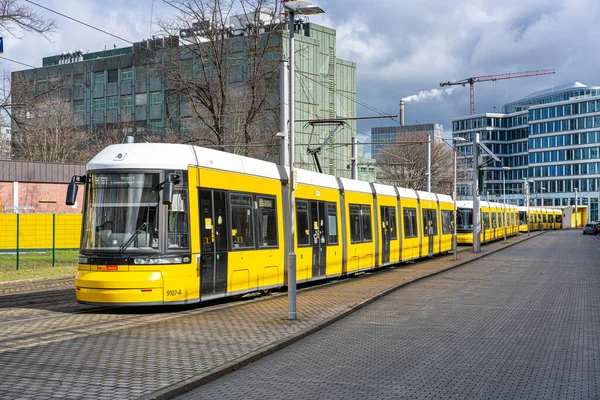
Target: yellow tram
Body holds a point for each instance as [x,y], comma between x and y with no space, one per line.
[540,218]
[175,224]
[497,220]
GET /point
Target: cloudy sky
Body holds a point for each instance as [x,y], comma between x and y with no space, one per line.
[403,49]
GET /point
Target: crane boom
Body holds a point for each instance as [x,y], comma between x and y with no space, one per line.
[486,78]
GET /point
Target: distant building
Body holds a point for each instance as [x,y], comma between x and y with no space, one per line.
[549,138]
[112,87]
[386,135]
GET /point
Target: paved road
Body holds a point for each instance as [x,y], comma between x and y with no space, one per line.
[514,325]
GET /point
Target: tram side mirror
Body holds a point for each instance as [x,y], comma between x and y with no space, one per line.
[168,192]
[169,187]
[72,189]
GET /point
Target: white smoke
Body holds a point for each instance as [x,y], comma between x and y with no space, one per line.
[433,94]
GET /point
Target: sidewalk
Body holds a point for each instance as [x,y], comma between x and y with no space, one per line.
[173,353]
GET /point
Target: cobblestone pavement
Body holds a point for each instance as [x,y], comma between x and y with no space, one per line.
[159,356]
[523,323]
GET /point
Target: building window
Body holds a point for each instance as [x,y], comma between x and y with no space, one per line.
[126,74]
[113,75]
[78,106]
[98,78]
[141,73]
[113,102]
[155,127]
[78,79]
[99,105]
[126,101]
[156,98]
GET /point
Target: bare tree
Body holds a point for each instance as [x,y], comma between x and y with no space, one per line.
[49,131]
[404,163]
[14,16]
[224,75]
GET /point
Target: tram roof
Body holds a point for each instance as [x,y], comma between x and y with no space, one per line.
[177,156]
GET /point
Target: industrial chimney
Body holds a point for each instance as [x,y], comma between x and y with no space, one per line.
[401,112]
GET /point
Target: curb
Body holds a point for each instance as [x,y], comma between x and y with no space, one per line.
[194,382]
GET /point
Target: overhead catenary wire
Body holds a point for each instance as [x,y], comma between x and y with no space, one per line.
[78,21]
[18,62]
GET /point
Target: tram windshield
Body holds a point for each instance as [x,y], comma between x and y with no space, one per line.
[122,212]
[464,220]
[523,217]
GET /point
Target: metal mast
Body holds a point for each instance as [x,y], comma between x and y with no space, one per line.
[486,78]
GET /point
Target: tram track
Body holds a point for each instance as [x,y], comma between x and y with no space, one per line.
[42,317]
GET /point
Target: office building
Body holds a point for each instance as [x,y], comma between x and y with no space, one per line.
[117,88]
[549,139]
[383,136]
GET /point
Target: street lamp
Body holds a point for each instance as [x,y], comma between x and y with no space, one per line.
[293,8]
[504,169]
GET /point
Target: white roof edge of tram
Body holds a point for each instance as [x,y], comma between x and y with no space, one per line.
[445,198]
[316,179]
[384,189]
[407,193]
[356,186]
[177,156]
[426,195]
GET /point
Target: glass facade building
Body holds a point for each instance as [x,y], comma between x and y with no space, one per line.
[549,139]
[107,89]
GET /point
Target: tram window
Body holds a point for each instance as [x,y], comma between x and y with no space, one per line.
[367,234]
[551,218]
[447,221]
[267,221]
[544,218]
[302,227]
[178,228]
[523,217]
[392,224]
[410,222]
[464,220]
[486,220]
[355,223]
[494,220]
[500,220]
[241,221]
[332,235]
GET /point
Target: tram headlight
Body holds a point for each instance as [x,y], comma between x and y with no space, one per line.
[83,259]
[153,261]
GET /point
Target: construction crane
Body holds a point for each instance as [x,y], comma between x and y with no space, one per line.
[486,78]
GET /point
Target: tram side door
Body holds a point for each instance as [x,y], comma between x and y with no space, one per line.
[213,234]
[428,231]
[385,234]
[319,246]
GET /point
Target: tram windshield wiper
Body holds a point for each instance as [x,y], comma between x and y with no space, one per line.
[132,238]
